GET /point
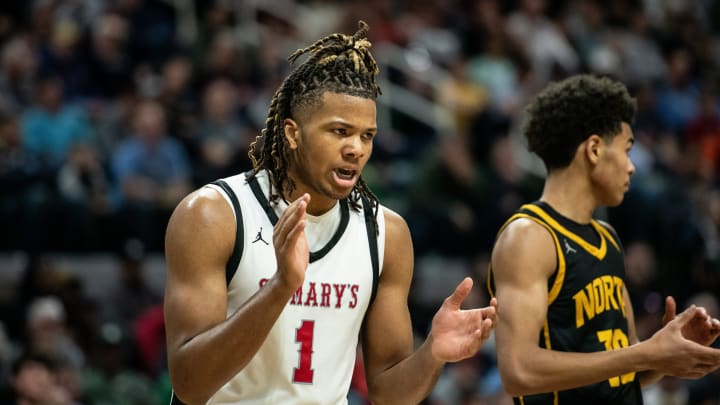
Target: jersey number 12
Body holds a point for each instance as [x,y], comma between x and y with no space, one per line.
[304,335]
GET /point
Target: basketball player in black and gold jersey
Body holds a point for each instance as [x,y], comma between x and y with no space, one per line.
[565,331]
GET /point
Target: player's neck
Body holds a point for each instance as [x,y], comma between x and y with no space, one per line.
[570,195]
[319,204]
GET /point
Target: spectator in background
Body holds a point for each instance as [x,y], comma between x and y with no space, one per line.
[677,98]
[26,181]
[544,44]
[179,98]
[17,75]
[444,198]
[132,295]
[62,56]
[34,381]
[464,98]
[222,136]
[83,187]
[51,127]
[48,334]
[109,63]
[109,377]
[152,29]
[702,136]
[153,174]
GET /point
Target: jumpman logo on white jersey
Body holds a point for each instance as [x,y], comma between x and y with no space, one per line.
[259,237]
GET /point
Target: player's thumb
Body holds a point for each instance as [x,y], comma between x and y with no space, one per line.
[670,308]
[460,293]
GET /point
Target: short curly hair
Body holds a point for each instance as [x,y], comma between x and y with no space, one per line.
[566,113]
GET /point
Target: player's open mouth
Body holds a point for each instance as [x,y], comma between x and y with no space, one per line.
[345,174]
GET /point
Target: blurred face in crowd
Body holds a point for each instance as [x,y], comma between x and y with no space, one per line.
[150,122]
[9,133]
[176,74]
[33,380]
[534,8]
[220,99]
[50,94]
[109,35]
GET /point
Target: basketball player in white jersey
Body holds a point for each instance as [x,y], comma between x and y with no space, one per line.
[274,274]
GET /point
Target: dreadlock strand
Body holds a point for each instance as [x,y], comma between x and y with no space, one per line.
[362,31]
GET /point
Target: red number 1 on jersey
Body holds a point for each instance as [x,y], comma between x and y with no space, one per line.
[304,336]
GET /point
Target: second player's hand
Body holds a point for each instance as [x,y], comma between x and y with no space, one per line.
[291,247]
[458,334]
[675,354]
[702,328]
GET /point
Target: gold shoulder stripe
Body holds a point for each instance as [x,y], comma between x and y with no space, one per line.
[607,234]
[598,252]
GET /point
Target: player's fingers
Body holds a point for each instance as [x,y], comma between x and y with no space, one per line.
[489,313]
[670,308]
[685,316]
[487,327]
[293,213]
[461,291]
[296,227]
[296,232]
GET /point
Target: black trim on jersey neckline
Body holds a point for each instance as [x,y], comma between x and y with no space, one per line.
[260,196]
[234,261]
[272,216]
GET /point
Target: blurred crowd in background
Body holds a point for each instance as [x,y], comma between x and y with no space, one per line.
[112,110]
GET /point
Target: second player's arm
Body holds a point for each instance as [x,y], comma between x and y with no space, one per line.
[395,373]
[522,262]
[205,347]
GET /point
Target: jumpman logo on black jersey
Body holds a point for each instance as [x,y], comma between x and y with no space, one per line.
[568,249]
[259,237]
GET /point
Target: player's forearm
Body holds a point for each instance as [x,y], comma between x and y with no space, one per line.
[539,370]
[203,364]
[409,381]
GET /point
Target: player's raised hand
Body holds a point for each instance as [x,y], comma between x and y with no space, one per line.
[458,334]
[291,247]
[702,328]
[676,355]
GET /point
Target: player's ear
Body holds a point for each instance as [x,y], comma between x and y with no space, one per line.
[593,148]
[292,130]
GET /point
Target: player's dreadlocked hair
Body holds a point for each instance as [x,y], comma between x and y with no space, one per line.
[337,63]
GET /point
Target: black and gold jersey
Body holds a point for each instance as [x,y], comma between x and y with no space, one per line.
[586,306]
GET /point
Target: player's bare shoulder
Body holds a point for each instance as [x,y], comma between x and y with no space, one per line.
[524,243]
[398,243]
[396,229]
[202,217]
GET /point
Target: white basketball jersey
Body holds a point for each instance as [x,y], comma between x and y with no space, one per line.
[309,354]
